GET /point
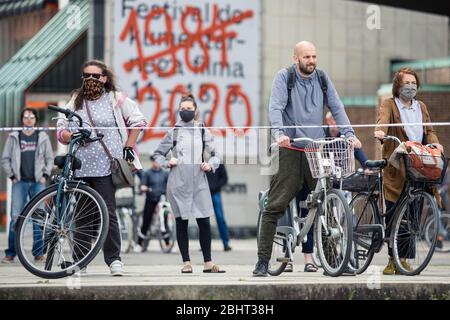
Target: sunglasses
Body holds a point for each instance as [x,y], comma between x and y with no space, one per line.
[93,75]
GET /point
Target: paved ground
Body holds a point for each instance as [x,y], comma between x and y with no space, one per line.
[154,275]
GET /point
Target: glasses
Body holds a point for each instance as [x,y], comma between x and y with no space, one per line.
[29,117]
[93,75]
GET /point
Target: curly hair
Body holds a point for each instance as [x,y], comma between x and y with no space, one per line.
[110,84]
[398,78]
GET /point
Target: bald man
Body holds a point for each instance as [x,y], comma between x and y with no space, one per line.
[304,108]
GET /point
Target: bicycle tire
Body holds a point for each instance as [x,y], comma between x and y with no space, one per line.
[274,269]
[370,218]
[325,249]
[68,268]
[411,223]
[444,219]
[126,229]
[170,235]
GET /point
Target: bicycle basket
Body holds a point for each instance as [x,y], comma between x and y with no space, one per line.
[425,168]
[328,158]
[360,182]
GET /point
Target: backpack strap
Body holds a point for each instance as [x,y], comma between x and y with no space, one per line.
[203,141]
[323,84]
[290,82]
[174,141]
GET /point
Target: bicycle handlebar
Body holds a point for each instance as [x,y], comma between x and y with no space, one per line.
[393,138]
[69,114]
[319,141]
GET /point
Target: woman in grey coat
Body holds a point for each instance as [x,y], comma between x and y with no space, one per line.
[187,185]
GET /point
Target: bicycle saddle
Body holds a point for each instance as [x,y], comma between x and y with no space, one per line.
[376,163]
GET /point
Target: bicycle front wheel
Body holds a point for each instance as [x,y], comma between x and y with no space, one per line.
[363,211]
[410,249]
[66,234]
[334,233]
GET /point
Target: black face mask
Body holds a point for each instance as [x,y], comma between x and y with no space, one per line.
[187,115]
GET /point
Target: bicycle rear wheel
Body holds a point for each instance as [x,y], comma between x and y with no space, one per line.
[334,243]
[363,213]
[410,249]
[126,228]
[69,239]
[167,232]
[443,234]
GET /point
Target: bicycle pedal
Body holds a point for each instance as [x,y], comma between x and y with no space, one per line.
[284,260]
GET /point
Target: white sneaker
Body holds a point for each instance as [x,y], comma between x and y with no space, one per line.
[116,268]
[137,248]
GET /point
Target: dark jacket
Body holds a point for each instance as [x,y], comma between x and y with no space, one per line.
[157,181]
[218,179]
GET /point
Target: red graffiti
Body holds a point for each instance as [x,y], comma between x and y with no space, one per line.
[197,36]
[216,33]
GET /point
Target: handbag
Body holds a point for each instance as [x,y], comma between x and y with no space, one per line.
[425,162]
[121,172]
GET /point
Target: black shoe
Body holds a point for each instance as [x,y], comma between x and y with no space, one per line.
[227,248]
[261,269]
[347,272]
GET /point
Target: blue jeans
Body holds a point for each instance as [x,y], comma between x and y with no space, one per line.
[218,210]
[22,192]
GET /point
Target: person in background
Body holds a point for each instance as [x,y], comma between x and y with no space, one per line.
[153,183]
[187,186]
[217,181]
[333,131]
[27,160]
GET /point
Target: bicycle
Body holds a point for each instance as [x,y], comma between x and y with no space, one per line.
[125,211]
[328,159]
[443,234]
[411,212]
[70,218]
[162,227]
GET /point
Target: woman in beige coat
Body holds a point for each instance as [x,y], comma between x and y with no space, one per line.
[401,108]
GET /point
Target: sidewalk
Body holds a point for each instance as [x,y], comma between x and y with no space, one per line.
[154,275]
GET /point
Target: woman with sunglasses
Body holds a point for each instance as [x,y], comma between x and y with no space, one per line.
[110,113]
[27,160]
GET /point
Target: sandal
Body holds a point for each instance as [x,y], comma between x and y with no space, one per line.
[309,267]
[215,269]
[289,267]
[187,268]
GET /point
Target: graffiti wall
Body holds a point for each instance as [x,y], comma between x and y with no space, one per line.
[163,49]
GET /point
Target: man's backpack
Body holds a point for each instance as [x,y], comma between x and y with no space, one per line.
[291,82]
